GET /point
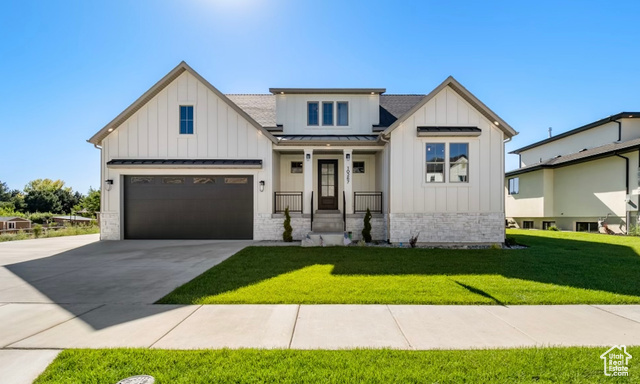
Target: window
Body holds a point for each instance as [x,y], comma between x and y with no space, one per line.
[343,113]
[435,163]
[312,113]
[459,162]
[186,119]
[547,224]
[587,227]
[327,113]
[173,180]
[358,167]
[12,225]
[204,180]
[514,185]
[527,225]
[296,167]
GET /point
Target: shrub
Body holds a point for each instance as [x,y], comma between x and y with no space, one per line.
[286,235]
[41,218]
[414,240]
[553,228]
[366,231]
[510,241]
[37,230]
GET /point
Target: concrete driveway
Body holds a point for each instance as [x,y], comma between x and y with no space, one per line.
[83,270]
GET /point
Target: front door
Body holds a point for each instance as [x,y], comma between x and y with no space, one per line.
[328,184]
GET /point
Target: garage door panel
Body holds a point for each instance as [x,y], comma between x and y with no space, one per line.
[183,207]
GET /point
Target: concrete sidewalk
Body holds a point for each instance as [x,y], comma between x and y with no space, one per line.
[413,327]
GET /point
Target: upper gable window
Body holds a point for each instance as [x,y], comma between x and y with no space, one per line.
[343,113]
[186,119]
[327,113]
[313,113]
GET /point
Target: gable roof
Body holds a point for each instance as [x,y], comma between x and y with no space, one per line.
[582,156]
[578,130]
[159,86]
[13,218]
[465,94]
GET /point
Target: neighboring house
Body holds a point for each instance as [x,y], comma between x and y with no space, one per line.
[579,178]
[186,161]
[12,223]
[73,219]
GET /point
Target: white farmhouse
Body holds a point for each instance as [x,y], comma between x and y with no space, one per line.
[585,179]
[185,161]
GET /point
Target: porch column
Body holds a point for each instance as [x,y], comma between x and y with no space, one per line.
[307,168]
[348,179]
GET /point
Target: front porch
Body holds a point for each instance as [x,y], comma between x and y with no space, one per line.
[331,187]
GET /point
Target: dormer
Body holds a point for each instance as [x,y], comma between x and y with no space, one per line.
[323,111]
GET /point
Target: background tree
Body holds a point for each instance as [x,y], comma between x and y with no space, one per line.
[5,192]
[91,202]
[46,195]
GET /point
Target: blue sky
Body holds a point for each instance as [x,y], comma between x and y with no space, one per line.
[70,67]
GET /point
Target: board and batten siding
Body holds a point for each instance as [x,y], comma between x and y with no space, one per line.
[484,193]
[291,112]
[219,133]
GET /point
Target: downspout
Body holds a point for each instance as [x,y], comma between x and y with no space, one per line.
[388,206]
[627,215]
[619,129]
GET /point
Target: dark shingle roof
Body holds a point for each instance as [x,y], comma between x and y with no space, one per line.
[584,155]
[394,106]
[262,108]
[449,129]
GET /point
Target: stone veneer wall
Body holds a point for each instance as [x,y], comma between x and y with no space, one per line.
[270,227]
[109,226]
[444,227]
[355,223]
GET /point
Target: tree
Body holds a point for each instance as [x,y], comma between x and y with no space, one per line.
[42,201]
[91,202]
[46,195]
[5,192]
[286,235]
[366,231]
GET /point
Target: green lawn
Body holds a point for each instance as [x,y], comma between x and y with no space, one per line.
[557,268]
[547,365]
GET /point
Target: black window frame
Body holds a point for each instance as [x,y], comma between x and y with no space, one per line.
[528,224]
[589,225]
[189,122]
[291,170]
[317,120]
[358,168]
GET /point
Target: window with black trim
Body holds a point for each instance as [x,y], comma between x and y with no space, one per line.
[296,167]
[435,163]
[186,119]
[313,113]
[459,162]
[527,224]
[358,167]
[343,113]
[591,226]
[327,113]
[514,185]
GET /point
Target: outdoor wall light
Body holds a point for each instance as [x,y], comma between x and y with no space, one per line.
[261,185]
[308,156]
[348,156]
[109,183]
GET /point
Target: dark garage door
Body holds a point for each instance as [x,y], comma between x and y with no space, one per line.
[188,207]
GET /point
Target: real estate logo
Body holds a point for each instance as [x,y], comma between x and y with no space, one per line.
[616,361]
